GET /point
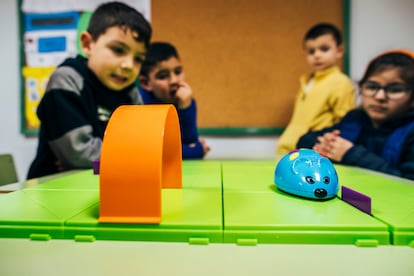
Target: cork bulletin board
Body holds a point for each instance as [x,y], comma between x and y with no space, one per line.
[243,58]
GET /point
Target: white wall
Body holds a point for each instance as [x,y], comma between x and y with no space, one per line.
[376,25]
[11,140]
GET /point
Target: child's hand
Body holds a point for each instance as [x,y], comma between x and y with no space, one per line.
[206,148]
[184,95]
[203,143]
[59,166]
[333,146]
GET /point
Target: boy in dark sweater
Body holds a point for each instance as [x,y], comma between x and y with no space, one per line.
[162,81]
[82,93]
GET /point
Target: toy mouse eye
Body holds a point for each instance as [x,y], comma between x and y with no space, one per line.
[310,179]
[326,180]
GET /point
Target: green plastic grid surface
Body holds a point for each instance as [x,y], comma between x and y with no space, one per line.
[392,200]
[227,201]
[255,210]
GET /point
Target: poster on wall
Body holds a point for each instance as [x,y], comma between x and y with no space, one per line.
[50,32]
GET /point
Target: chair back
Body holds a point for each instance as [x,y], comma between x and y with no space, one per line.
[8,172]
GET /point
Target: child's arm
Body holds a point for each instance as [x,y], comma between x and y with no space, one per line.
[362,157]
[193,147]
[345,152]
[196,150]
[332,145]
[344,99]
[310,139]
[184,95]
[66,122]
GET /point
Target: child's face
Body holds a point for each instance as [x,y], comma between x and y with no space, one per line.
[165,79]
[322,52]
[378,106]
[115,57]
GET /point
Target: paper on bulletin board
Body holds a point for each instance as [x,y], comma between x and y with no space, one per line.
[49,48]
[42,6]
[35,85]
[49,38]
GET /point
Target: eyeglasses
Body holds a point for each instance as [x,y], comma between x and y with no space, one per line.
[393,91]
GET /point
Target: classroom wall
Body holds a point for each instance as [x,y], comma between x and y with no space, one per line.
[11,140]
[376,25]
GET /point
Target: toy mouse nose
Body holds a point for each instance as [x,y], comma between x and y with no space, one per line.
[320,193]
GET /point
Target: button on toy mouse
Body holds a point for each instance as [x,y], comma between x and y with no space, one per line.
[306,173]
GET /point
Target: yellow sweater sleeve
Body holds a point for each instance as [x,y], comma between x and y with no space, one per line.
[330,98]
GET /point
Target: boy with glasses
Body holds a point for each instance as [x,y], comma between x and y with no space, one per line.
[379,135]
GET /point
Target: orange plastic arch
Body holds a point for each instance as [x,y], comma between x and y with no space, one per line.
[141,153]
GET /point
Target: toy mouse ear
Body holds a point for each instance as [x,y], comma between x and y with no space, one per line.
[300,164]
[327,164]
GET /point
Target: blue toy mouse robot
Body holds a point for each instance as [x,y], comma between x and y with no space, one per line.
[306,173]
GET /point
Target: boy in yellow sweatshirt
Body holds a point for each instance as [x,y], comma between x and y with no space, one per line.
[326,94]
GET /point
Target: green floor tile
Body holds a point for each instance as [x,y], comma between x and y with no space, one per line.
[22,217]
[392,200]
[78,180]
[64,203]
[187,216]
[280,218]
[201,174]
[251,176]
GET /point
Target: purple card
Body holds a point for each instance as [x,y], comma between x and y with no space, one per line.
[96,164]
[356,199]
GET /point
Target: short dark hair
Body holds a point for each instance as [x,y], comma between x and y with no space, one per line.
[112,14]
[392,59]
[157,52]
[322,29]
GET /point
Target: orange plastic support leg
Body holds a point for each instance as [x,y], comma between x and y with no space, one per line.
[141,153]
